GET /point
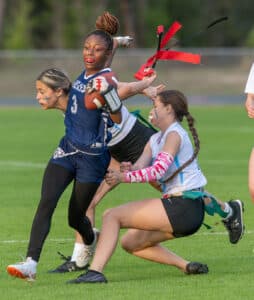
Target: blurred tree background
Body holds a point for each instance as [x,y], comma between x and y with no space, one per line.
[47,24]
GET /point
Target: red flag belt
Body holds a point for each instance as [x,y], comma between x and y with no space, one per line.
[170,33]
[168,54]
[177,55]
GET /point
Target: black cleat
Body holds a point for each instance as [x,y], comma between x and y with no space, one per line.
[90,276]
[234,224]
[196,268]
[67,266]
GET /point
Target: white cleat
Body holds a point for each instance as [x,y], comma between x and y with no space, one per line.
[24,270]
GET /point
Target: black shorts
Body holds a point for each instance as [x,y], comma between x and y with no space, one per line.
[131,147]
[185,215]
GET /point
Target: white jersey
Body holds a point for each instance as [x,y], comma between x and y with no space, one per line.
[120,131]
[249,88]
[191,177]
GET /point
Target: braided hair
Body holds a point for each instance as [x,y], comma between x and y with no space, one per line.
[107,22]
[106,25]
[179,104]
[55,78]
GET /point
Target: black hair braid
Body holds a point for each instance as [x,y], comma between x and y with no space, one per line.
[190,121]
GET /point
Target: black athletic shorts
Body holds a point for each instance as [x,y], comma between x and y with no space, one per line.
[131,147]
[185,215]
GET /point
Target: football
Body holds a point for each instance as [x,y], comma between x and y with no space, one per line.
[93,98]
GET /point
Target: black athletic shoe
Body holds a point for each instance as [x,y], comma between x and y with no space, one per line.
[89,277]
[67,266]
[196,268]
[234,224]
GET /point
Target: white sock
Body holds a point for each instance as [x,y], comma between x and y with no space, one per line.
[228,210]
[78,247]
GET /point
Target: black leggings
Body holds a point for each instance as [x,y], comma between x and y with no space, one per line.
[55,181]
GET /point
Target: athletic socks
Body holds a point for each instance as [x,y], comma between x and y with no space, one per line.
[228,210]
[78,247]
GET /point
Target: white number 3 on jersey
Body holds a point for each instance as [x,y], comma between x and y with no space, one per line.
[74,106]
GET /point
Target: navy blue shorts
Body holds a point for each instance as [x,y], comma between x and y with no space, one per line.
[88,165]
[185,215]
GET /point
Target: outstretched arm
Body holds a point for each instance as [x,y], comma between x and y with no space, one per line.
[145,170]
[128,89]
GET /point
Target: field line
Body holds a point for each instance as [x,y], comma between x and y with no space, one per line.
[21,164]
[62,240]
[33,165]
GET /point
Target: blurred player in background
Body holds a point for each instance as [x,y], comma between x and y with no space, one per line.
[249,105]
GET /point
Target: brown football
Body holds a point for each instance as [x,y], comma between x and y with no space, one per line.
[95,100]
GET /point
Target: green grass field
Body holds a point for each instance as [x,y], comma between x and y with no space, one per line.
[28,137]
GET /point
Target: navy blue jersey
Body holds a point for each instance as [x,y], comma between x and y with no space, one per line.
[85,127]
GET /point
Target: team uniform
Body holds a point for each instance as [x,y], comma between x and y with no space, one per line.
[129,137]
[185,215]
[86,136]
[127,143]
[82,155]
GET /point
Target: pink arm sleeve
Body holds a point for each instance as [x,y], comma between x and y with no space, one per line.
[152,173]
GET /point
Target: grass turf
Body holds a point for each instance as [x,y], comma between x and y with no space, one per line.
[28,137]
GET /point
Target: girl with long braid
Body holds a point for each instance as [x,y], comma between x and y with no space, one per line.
[170,160]
[152,221]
